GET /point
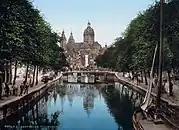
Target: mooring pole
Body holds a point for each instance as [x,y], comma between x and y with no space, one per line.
[160,58]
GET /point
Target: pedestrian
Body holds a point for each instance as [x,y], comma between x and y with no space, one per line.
[3,89]
[155,82]
[0,89]
[26,88]
[7,89]
[21,89]
[14,90]
[163,85]
[55,75]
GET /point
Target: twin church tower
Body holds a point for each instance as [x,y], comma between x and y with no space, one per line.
[88,37]
[81,54]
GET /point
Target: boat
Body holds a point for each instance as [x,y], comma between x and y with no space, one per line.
[135,120]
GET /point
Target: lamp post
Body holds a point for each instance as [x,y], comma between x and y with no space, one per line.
[160,58]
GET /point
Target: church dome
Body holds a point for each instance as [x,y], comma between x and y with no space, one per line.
[89,30]
[71,39]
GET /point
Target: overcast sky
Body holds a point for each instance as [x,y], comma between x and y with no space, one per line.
[108,18]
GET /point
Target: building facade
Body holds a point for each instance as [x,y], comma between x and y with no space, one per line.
[82,54]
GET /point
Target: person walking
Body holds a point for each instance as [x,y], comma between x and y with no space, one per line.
[3,89]
[7,89]
[163,86]
[155,82]
[14,90]
[22,88]
[26,88]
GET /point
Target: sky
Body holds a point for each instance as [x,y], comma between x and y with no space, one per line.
[108,18]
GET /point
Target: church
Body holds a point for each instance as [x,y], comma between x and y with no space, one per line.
[82,54]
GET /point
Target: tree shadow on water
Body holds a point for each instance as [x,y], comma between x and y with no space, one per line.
[120,108]
[36,118]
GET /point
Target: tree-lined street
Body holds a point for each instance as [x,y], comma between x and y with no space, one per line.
[134,51]
[27,39]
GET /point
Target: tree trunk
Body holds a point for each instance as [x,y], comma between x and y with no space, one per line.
[145,76]
[142,78]
[15,73]
[133,75]
[10,72]
[153,74]
[33,76]
[129,75]
[170,83]
[157,72]
[26,75]
[33,115]
[5,72]
[37,75]
[137,78]
[169,77]
[37,110]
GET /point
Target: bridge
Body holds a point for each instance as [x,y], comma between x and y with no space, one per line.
[90,72]
[92,76]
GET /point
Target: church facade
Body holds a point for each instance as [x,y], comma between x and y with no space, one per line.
[82,54]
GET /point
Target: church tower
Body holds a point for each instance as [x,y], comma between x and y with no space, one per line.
[88,35]
[63,40]
[71,39]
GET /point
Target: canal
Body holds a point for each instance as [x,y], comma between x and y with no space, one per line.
[78,107]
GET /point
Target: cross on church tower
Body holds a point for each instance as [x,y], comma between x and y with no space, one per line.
[89,24]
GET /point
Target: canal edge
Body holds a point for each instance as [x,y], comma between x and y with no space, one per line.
[142,90]
[5,104]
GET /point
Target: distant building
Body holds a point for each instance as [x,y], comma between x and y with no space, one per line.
[82,54]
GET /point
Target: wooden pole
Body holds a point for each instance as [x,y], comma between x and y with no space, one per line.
[160,58]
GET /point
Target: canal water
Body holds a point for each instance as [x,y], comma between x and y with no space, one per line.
[78,107]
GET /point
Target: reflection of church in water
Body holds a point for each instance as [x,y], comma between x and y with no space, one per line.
[88,98]
[88,93]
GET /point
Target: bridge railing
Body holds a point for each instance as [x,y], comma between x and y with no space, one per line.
[82,71]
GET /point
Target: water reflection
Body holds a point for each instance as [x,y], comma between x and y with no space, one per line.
[120,108]
[36,118]
[88,98]
[77,106]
